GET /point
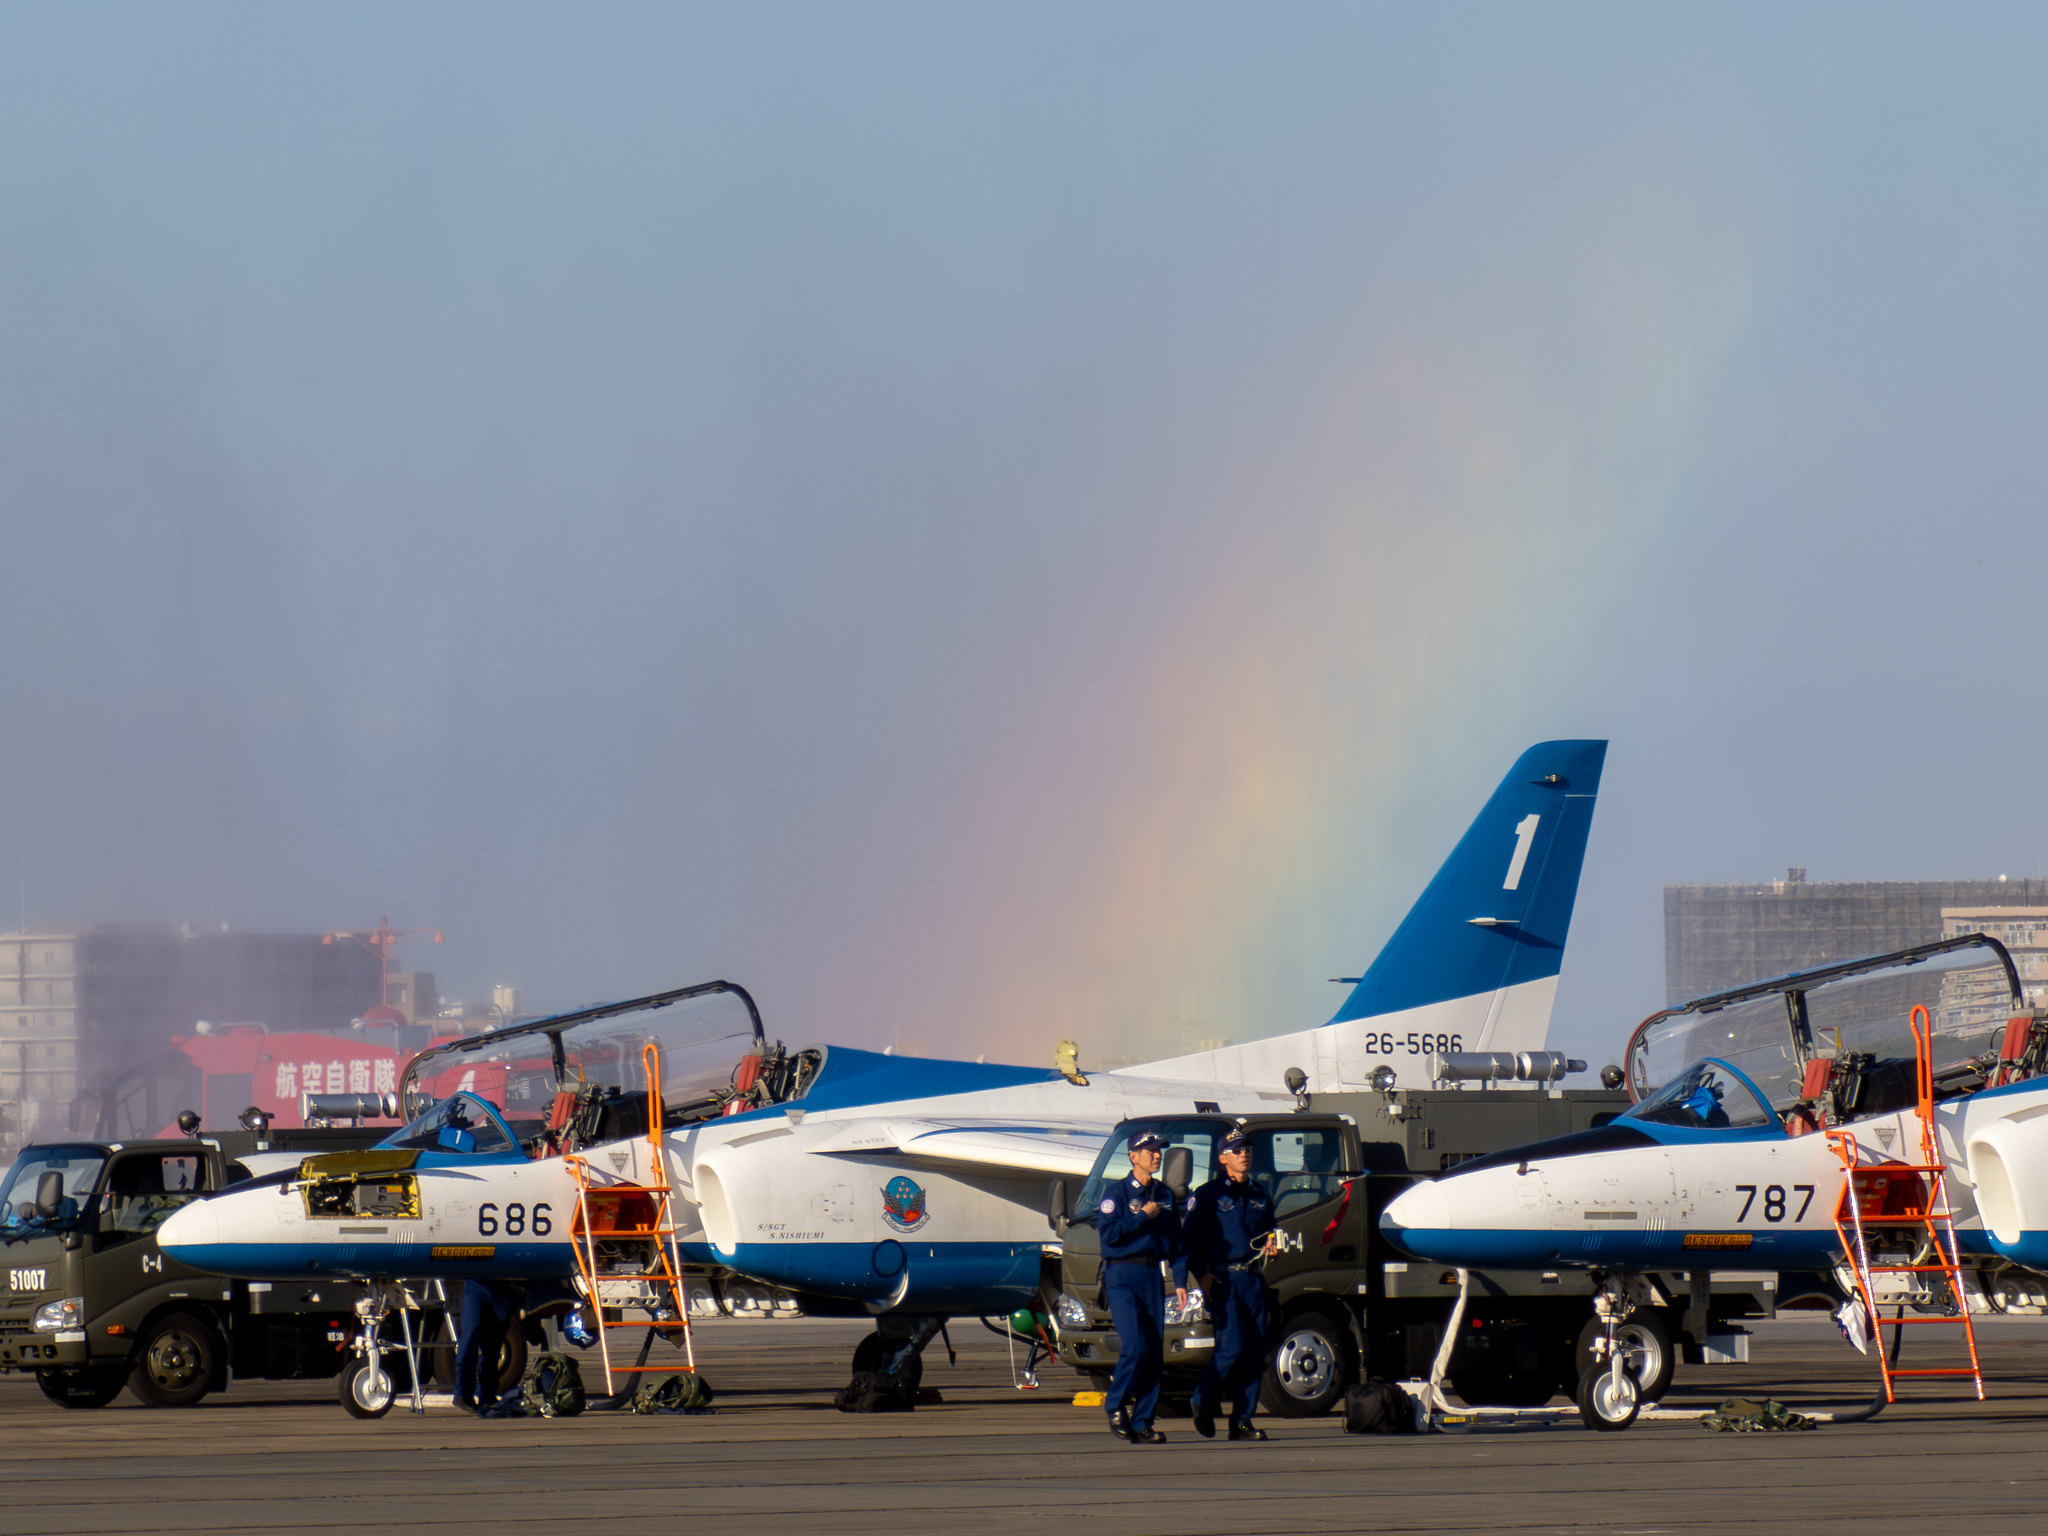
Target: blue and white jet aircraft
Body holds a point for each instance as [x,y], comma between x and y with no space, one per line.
[869,1183]
[1723,1162]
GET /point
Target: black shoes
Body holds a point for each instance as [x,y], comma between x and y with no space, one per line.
[1247,1432]
[1120,1424]
[1146,1437]
[1205,1424]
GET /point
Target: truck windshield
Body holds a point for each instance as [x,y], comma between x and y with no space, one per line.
[1198,1136]
[78,1166]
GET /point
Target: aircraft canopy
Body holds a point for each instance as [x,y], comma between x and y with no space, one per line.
[702,1032]
[1768,1031]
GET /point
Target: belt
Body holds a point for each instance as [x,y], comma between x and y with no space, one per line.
[1153,1261]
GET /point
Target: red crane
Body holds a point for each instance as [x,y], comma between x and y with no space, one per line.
[380,941]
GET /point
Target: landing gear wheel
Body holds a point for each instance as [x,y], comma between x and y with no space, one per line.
[1608,1402]
[367,1390]
[1309,1369]
[88,1386]
[872,1353]
[175,1363]
[1646,1353]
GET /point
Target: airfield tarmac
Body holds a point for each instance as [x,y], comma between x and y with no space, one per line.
[777,1457]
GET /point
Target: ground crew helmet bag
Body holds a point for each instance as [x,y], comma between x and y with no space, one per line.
[553,1387]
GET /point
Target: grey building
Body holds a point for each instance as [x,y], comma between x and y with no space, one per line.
[1718,936]
[80,1006]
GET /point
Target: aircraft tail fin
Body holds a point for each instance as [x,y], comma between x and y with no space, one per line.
[1497,913]
[1474,964]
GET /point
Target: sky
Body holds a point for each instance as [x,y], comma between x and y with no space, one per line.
[992,524]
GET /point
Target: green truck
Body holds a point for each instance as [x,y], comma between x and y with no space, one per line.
[92,1304]
[1344,1302]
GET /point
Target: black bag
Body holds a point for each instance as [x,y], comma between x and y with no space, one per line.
[1378,1408]
[874,1392]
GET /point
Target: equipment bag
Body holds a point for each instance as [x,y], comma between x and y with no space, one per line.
[1378,1407]
[677,1392]
[552,1388]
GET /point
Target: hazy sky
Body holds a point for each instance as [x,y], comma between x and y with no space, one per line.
[988,524]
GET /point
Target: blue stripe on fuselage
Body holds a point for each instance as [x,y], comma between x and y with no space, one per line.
[944,1277]
[295,1261]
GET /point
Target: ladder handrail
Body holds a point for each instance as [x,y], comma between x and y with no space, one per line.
[1935,1215]
[664,1271]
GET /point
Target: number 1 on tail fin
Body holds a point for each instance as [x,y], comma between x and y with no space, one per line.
[1525,835]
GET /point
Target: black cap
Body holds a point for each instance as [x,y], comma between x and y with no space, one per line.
[1237,1140]
[1148,1141]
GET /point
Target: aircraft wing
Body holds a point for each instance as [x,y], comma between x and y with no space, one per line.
[1050,1149]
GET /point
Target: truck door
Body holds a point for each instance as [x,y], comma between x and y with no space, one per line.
[139,1192]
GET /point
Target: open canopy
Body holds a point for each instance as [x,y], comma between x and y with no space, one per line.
[1768,1031]
[703,1033]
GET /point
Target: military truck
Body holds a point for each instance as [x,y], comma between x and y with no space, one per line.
[92,1304]
[1344,1302]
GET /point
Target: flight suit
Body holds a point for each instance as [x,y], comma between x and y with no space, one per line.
[1133,1248]
[1225,1223]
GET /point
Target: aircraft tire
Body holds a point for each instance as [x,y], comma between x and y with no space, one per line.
[174,1362]
[1606,1405]
[360,1397]
[82,1386]
[872,1351]
[1646,1337]
[1309,1368]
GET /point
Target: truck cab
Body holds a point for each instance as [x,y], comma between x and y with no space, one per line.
[92,1304]
[1343,1301]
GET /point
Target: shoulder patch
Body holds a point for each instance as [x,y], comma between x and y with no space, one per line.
[1193,1201]
[1109,1207]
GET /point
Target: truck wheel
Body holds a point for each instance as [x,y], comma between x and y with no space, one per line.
[90,1386]
[511,1360]
[174,1364]
[365,1393]
[1309,1369]
[1606,1403]
[1646,1352]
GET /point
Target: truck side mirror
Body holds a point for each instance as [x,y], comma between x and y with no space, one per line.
[1177,1168]
[1056,1205]
[49,1194]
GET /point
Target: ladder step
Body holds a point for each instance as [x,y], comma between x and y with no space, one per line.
[1910,1322]
[1960,1370]
[1910,1269]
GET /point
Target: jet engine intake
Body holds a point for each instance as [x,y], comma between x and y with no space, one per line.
[2013,1205]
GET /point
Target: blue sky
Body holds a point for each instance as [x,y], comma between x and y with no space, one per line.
[989,524]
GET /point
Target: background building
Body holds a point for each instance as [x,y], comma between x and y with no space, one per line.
[80,1006]
[1718,936]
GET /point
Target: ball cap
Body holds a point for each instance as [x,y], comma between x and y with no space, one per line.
[1237,1141]
[1148,1141]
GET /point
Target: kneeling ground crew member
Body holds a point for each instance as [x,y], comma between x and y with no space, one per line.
[1140,1230]
[1229,1226]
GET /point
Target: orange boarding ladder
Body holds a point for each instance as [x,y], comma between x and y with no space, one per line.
[641,1266]
[1905,1198]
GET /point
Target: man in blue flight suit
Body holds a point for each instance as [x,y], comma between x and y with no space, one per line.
[1228,1228]
[1140,1230]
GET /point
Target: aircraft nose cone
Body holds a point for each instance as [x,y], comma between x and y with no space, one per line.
[191,1226]
[1422,1208]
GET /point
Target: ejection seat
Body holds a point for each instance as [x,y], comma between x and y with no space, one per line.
[1810,1114]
